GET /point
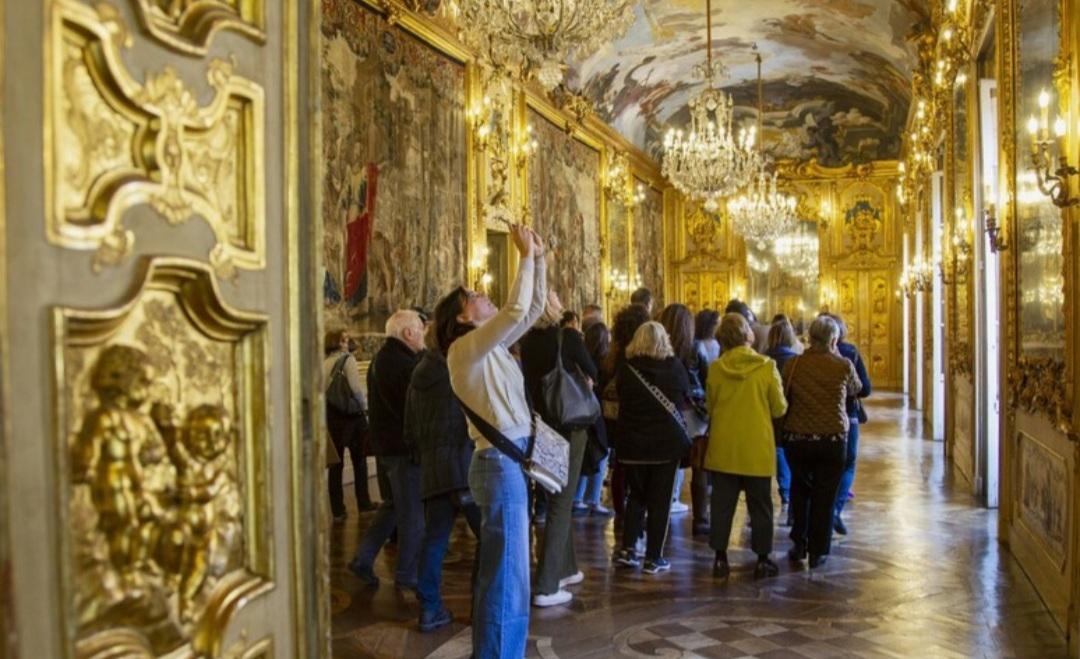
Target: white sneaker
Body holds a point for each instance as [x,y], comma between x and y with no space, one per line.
[554,599]
[576,578]
[679,507]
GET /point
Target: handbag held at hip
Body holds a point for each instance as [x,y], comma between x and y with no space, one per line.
[568,399]
[545,460]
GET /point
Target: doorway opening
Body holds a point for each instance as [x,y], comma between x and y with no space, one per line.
[987,289]
[937,309]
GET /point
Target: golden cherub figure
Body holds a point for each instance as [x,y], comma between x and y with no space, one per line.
[207,510]
[121,456]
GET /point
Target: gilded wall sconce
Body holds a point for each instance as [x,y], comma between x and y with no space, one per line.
[523,147]
[620,285]
[480,118]
[990,222]
[479,266]
[1053,181]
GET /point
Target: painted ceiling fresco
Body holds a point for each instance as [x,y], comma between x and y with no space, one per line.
[837,72]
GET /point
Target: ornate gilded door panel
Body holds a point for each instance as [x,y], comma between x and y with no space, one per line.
[153,284]
[867,305]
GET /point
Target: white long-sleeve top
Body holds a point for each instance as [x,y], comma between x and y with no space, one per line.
[483,373]
[352,374]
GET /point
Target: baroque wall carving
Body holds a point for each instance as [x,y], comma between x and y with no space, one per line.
[189,25]
[114,143]
[564,203]
[395,188]
[163,450]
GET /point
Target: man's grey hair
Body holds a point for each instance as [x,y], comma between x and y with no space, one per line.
[401,320]
[823,331]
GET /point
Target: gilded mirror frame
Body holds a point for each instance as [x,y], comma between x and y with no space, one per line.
[1037,385]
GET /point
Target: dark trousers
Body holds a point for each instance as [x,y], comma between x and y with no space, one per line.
[439,515]
[402,513]
[555,558]
[347,434]
[699,495]
[725,496]
[816,466]
[651,487]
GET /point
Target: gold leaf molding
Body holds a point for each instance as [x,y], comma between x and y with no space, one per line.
[190,25]
[113,143]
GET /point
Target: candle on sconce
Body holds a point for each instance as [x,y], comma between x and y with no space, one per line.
[1059,128]
[1044,114]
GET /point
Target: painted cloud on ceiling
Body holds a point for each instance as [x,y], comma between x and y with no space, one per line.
[837,73]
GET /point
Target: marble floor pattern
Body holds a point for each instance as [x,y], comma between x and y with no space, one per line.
[920,575]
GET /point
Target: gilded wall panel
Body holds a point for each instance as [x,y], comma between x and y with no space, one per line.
[649,243]
[115,143]
[189,25]
[1043,494]
[163,456]
[394,193]
[564,203]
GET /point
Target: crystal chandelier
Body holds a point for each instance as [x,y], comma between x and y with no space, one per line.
[797,254]
[710,162]
[536,38]
[761,214]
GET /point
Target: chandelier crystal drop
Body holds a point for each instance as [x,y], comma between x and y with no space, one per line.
[536,38]
[710,161]
[761,213]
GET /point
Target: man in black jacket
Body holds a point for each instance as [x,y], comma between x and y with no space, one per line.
[387,381]
[435,429]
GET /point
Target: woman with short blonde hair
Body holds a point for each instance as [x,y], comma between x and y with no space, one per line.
[650,340]
[650,440]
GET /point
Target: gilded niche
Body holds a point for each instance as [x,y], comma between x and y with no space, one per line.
[189,25]
[116,143]
[162,409]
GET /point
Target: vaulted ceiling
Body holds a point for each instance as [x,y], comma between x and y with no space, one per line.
[837,72]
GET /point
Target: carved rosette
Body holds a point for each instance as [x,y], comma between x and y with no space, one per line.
[163,450]
[114,143]
[190,25]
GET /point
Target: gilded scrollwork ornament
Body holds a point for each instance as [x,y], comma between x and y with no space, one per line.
[115,143]
[162,441]
[190,25]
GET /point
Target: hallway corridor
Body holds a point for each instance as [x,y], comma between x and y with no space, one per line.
[920,575]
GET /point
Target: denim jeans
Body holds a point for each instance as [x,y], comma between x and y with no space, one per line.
[555,558]
[439,515]
[783,475]
[590,488]
[500,611]
[848,477]
[403,512]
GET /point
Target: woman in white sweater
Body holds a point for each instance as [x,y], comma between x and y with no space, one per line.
[488,381]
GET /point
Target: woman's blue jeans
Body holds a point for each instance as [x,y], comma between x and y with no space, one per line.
[783,475]
[847,478]
[500,620]
[590,488]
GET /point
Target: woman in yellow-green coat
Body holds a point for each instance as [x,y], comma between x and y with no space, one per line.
[744,394]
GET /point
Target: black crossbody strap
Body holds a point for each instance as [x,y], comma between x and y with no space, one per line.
[499,440]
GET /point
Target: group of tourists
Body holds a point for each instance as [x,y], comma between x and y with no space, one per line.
[520,415]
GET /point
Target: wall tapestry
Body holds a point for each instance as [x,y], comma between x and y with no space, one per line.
[649,243]
[564,199]
[394,198]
